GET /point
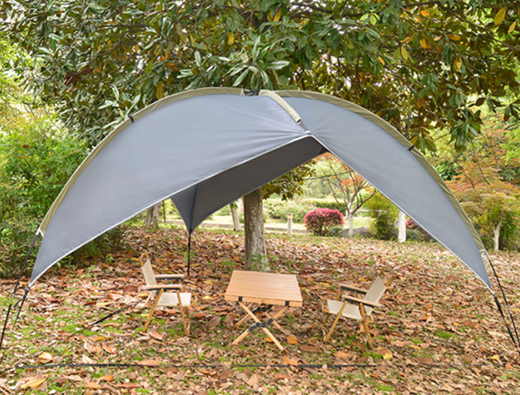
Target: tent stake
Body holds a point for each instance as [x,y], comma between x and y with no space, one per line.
[517,341]
[13,295]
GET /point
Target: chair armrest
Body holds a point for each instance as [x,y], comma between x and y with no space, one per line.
[176,277]
[357,300]
[159,287]
[347,287]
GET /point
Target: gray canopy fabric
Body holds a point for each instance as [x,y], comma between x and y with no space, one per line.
[206,148]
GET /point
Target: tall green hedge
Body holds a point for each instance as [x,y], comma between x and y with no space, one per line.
[35,163]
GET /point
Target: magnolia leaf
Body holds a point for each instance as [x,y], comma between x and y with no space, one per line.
[404,53]
[424,13]
[381,60]
[278,15]
[457,64]
[512,27]
[160,91]
[454,37]
[231,38]
[499,17]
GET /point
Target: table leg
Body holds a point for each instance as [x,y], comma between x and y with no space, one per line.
[246,332]
[278,314]
[245,318]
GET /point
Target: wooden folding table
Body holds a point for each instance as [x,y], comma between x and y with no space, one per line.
[266,289]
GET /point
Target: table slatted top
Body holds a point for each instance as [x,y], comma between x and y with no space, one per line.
[264,288]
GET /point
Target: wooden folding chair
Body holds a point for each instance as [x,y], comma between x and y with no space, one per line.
[160,298]
[355,308]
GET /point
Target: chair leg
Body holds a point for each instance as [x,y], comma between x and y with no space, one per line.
[181,307]
[152,309]
[365,325]
[338,296]
[334,323]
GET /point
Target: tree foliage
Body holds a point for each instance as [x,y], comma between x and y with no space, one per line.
[488,186]
[319,221]
[34,166]
[418,65]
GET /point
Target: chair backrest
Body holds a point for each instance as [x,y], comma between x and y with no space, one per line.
[149,277]
[376,291]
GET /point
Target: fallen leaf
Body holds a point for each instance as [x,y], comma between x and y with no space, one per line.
[156,335]
[341,355]
[226,374]
[290,361]
[107,377]
[214,322]
[253,381]
[109,348]
[73,377]
[309,348]
[208,372]
[88,360]
[292,339]
[35,383]
[426,360]
[149,362]
[281,376]
[92,385]
[45,357]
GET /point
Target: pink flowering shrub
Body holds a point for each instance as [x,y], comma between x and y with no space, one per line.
[321,220]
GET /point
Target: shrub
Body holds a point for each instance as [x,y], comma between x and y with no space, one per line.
[279,209]
[412,226]
[384,214]
[326,203]
[321,220]
[34,166]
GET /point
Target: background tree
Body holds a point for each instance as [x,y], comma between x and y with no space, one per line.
[488,186]
[347,187]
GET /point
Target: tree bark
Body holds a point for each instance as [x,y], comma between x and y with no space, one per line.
[234,216]
[152,216]
[253,227]
[350,217]
[496,236]
[401,225]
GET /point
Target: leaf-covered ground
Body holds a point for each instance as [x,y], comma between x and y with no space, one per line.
[438,331]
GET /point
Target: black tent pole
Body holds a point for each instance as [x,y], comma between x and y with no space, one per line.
[189,251]
[517,342]
[13,295]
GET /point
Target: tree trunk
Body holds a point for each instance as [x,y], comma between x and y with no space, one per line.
[152,216]
[401,224]
[496,236]
[253,227]
[234,216]
[350,217]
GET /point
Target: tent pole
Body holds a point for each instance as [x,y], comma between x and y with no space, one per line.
[517,341]
[189,252]
[13,295]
